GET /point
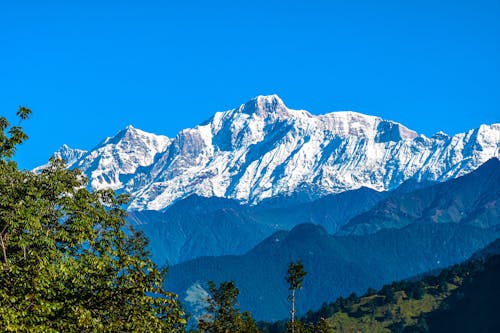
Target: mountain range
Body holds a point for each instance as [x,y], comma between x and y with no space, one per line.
[262,150]
[400,236]
[336,265]
[471,199]
[362,201]
[199,226]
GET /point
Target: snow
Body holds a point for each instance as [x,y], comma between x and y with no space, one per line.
[263,149]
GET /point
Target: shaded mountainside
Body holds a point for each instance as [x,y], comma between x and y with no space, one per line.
[199,226]
[331,211]
[473,307]
[490,250]
[337,265]
[263,149]
[473,199]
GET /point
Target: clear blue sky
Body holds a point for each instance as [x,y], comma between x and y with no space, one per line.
[89,68]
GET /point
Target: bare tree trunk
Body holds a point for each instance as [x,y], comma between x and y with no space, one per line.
[293,311]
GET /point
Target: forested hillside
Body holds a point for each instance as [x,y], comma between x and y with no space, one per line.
[461,298]
[337,265]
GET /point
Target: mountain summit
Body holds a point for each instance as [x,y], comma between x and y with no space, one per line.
[264,106]
[263,149]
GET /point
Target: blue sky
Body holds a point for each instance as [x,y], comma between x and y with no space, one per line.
[89,68]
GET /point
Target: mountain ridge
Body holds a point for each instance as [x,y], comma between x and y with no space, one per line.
[470,199]
[199,226]
[263,149]
[336,265]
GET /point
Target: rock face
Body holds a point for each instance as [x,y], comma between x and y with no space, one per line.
[263,150]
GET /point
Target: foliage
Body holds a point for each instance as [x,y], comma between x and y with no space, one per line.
[222,315]
[323,326]
[67,262]
[295,275]
[473,307]
[295,278]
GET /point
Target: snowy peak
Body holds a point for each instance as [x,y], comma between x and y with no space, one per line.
[70,155]
[129,134]
[442,136]
[262,149]
[121,155]
[343,123]
[391,131]
[349,123]
[265,106]
[489,135]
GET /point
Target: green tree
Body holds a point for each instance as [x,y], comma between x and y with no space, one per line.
[249,324]
[415,290]
[294,277]
[370,291]
[222,315]
[389,293]
[298,326]
[442,286]
[68,265]
[323,326]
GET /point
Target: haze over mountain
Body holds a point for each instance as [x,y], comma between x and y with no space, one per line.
[471,199]
[236,184]
[198,226]
[336,265]
[413,240]
[263,150]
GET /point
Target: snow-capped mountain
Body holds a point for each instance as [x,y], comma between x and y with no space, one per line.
[117,158]
[264,149]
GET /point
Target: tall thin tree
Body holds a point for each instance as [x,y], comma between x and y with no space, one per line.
[294,277]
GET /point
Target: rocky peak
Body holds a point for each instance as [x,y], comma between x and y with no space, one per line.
[265,106]
[70,155]
[262,150]
[391,131]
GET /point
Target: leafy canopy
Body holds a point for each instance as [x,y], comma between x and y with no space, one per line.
[66,262]
[222,315]
[295,275]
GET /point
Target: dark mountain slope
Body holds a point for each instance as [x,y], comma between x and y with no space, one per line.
[474,306]
[199,226]
[473,199]
[331,211]
[461,298]
[491,249]
[336,265]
